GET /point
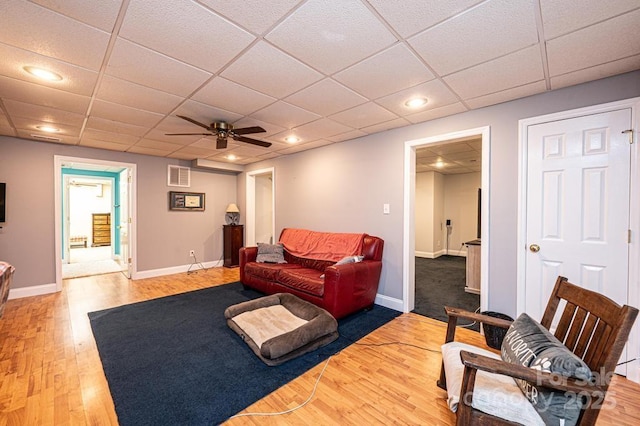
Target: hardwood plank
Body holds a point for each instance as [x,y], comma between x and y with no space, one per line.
[50,370]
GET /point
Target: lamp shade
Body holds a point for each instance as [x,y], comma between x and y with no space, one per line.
[232,208]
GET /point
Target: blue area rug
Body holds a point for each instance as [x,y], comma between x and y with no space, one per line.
[174,360]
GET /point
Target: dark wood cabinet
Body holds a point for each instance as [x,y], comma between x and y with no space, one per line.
[101,235]
[233,237]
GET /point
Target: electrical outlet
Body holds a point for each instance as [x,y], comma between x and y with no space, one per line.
[192,253]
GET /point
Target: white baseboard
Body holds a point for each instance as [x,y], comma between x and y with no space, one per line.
[36,290]
[173,270]
[434,255]
[389,302]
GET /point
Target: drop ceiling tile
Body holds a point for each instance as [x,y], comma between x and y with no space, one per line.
[436,93]
[109,137]
[74,79]
[195,152]
[363,115]
[136,96]
[595,73]
[492,29]
[230,96]
[507,95]
[330,35]
[387,125]
[5,127]
[273,65]
[179,28]
[304,147]
[319,129]
[41,95]
[255,15]
[246,151]
[432,114]
[412,16]
[326,97]
[30,125]
[125,114]
[464,156]
[353,134]
[32,27]
[165,146]
[268,156]
[207,143]
[562,17]
[100,14]
[515,69]
[111,146]
[137,64]
[115,126]
[183,156]
[148,151]
[205,114]
[592,46]
[285,115]
[387,72]
[43,113]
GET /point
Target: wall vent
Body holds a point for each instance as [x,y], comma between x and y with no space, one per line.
[179,176]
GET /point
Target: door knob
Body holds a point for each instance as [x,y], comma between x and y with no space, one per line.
[534,248]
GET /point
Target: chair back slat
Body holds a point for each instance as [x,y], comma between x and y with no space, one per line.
[599,335]
[586,335]
[565,321]
[575,329]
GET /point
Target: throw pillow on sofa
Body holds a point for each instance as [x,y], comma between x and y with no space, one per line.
[348,259]
[270,253]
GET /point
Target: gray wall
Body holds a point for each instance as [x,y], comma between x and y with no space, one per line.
[342,187]
[164,237]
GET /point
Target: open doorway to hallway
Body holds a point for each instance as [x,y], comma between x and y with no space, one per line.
[447,225]
[94,217]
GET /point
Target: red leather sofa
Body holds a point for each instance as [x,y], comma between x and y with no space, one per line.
[340,289]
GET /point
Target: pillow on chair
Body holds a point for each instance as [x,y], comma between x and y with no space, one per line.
[528,343]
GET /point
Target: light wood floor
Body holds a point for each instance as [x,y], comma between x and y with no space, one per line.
[50,371]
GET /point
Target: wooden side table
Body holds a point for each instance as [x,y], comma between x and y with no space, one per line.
[233,236]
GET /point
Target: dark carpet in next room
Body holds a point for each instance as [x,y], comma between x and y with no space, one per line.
[441,282]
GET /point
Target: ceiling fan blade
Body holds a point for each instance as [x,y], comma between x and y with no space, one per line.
[191,120]
[252,141]
[221,143]
[188,134]
[247,130]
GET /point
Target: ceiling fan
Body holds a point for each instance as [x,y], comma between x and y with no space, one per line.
[223,130]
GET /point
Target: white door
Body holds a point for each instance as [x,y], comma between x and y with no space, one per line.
[124,227]
[578,178]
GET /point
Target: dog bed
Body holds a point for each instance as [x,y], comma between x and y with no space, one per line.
[281,326]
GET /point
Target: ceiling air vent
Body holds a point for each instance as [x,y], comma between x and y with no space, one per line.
[179,176]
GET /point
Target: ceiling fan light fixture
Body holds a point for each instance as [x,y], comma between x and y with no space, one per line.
[416,102]
[43,73]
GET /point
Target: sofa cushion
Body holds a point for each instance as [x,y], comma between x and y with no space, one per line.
[270,253]
[530,344]
[303,279]
[268,271]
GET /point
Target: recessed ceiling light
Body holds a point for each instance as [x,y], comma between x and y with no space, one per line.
[231,157]
[416,102]
[43,74]
[291,139]
[48,129]
[439,164]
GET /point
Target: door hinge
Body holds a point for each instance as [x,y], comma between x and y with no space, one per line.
[630,133]
[629,236]
[129,220]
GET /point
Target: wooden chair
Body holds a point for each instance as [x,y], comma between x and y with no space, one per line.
[592,326]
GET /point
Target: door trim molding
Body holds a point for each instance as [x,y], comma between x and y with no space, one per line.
[409,220]
[633,370]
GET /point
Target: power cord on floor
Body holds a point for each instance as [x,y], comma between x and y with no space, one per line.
[473,323]
[195,262]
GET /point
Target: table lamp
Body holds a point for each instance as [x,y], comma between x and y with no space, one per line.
[233,214]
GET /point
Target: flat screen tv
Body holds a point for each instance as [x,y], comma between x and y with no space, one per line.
[3,196]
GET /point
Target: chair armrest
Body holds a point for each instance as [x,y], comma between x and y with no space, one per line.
[455,313]
[540,378]
[248,254]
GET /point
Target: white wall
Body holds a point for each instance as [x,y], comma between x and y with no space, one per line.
[342,187]
[461,206]
[263,208]
[83,202]
[425,215]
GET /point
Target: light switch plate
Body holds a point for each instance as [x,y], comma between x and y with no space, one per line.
[386,209]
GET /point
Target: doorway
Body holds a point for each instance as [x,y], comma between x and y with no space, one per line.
[94,216]
[447,226]
[260,204]
[409,231]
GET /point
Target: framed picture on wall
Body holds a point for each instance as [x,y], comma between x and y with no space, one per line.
[188,201]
